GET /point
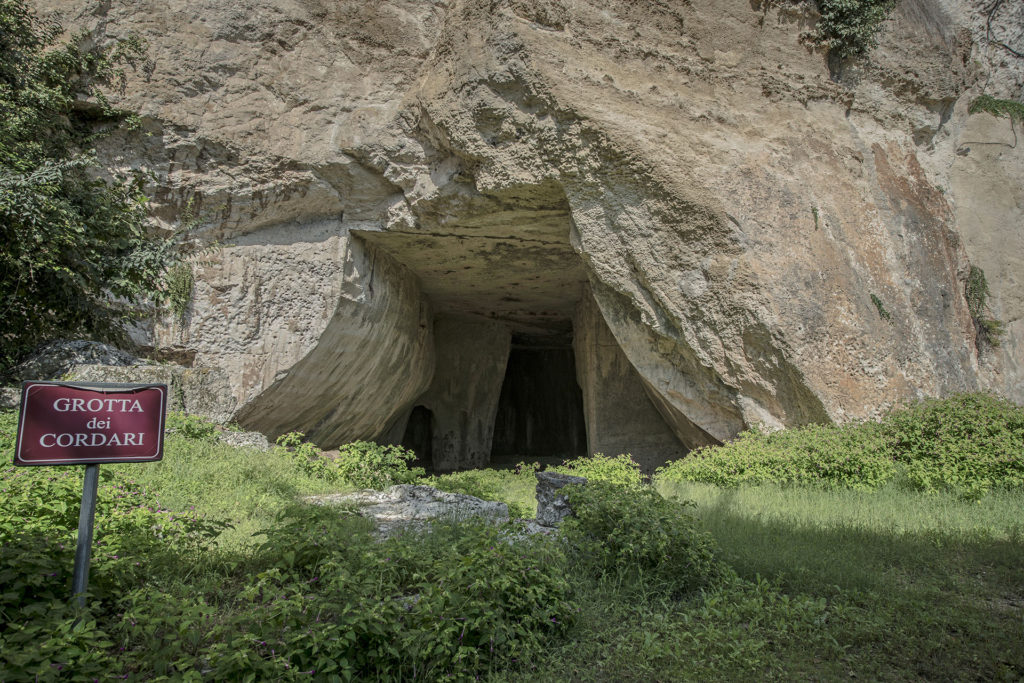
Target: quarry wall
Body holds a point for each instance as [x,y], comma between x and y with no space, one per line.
[721,226]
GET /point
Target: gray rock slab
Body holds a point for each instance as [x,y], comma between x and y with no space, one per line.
[245,440]
[56,359]
[197,391]
[552,504]
[10,398]
[409,505]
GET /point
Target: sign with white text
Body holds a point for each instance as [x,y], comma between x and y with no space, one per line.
[77,424]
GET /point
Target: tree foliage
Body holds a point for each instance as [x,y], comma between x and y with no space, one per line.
[76,258]
[850,27]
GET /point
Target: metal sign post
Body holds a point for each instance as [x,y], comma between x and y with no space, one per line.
[87,424]
[86,519]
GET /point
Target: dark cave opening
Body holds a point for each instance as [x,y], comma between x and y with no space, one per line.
[419,436]
[540,410]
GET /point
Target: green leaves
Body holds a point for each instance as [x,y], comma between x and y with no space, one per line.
[361,463]
[77,259]
[977,293]
[1010,109]
[621,470]
[968,443]
[850,27]
[631,533]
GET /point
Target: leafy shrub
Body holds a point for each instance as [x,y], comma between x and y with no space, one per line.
[850,27]
[968,443]
[851,456]
[451,602]
[309,459]
[361,463]
[77,259]
[370,465]
[41,636]
[621,470]
[631,533]
[291,439]
[191,426]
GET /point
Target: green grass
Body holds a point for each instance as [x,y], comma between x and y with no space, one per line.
[516,487]
[820,583]
[930,585]
[245,486]
[888,510]
[967,444]
[831,584]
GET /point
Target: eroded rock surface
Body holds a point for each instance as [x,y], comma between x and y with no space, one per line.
[201,391]
[57,359]
[408,505]
[552,503]
[767,238]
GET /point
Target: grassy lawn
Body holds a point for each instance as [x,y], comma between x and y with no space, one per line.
[809,581]
[932,586]
[247,487]
[831,585]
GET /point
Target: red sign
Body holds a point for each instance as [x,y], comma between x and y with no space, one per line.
[78,424]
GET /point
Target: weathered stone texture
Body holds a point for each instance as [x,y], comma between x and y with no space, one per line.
[202,391]
[199,391]
[738,209]
[463,397]
[552,503]
[620,416]
[408,506]
[373,359]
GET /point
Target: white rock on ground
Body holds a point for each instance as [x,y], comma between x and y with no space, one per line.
[410,505]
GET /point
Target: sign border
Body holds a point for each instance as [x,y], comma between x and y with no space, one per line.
[103,388]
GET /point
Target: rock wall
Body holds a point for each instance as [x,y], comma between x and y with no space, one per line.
[770,238]
[373,359]
[463,396]
[620,416]
[986,175]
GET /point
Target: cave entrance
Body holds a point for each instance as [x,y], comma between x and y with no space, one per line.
[525,367]
[419,436]
[540,409]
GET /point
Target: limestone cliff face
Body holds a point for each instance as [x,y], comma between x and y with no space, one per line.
[765,241]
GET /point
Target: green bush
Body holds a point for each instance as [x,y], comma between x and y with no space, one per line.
[321,598]
[969,443]
[852,456]
[41,636]
[361,463]
[370,465]
[621,470]
[850,27]
[635,533]
[77,259]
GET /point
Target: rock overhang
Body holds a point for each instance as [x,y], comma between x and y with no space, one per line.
[512,266]
[734,217]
